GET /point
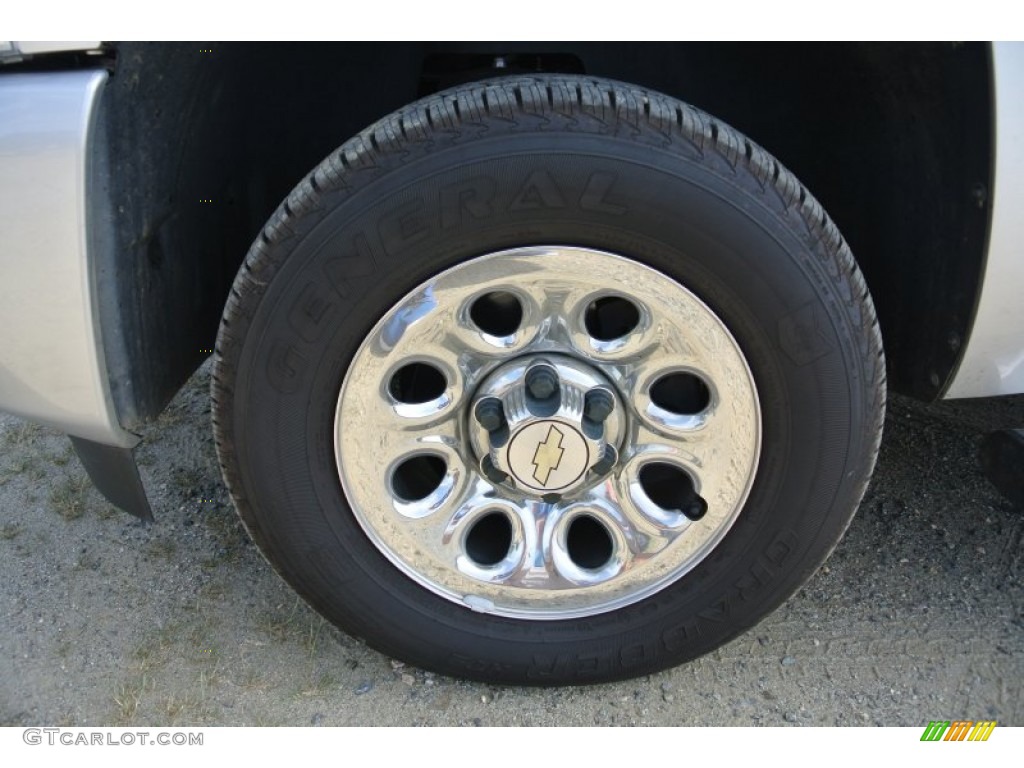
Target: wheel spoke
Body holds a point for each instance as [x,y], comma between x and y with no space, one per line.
[392,436]
[645,533]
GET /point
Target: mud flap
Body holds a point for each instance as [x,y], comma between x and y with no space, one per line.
[114,472]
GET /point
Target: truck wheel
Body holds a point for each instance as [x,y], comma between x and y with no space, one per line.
[548,380]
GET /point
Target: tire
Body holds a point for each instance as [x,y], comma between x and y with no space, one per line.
[500,241]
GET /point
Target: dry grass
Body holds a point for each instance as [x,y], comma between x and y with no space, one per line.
[151,653]
[164,549]
[109,512]
[164,654]
[27,465]
[24,433]
[284,627]
[213,591]
[127,700]
[190,708]
[67,497]
[319,684]
[61,459]
[253,682]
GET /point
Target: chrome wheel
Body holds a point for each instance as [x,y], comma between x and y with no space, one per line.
[547,433]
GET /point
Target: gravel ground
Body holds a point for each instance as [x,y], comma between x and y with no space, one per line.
[917,616]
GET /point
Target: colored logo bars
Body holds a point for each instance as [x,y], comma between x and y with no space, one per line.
[958,730]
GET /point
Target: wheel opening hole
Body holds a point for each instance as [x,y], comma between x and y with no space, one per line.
[490,539]
[681,393]
[497,313]
[418,477]
[417,383]
[672,489]
[611,317]
[588,542]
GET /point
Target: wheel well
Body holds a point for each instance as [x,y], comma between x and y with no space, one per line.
[198,143]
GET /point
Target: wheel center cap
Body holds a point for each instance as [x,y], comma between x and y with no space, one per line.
[546,425]
[548,456]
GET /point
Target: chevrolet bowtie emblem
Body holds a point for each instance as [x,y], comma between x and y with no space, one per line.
[548,455]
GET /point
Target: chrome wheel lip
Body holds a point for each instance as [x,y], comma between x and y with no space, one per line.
[651,546]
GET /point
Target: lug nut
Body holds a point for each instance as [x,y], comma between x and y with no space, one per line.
[608,458]
[542,381]
[598,405]
[491,472]
[490,414]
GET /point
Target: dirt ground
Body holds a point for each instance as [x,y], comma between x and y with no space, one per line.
[107,621]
